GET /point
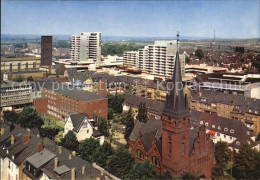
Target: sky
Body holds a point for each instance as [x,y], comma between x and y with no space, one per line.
[199,18]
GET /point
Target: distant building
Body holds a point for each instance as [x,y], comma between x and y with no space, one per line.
[46,50]
[157,59]
[59,100]
[83,127]
[86,47]
[15,94]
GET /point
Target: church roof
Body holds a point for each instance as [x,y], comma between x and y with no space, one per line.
[176,105]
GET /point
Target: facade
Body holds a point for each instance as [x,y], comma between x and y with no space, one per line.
[46,50]
[15,94]
[169,143]
[86,47]
[83,128]
[229,106]
[20,64]
[157,59]
[26,156]
[63,100]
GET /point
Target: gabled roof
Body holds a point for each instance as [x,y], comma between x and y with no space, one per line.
[77,121]
[40,158]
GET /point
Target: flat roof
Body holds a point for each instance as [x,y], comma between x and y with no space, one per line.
[21,59]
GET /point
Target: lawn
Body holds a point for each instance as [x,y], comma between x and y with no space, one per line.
[53,123]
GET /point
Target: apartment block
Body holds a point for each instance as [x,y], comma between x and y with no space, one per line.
[46,50]
[86,47]
[62,100]
[15,94]
[157,59]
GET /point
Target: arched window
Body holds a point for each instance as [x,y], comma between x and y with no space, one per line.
[139,154]
[155,161]
[169,146]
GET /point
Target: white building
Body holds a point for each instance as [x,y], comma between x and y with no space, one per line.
[86,47]
[82,127]
[157,59]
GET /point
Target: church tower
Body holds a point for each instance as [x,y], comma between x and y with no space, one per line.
[176,125]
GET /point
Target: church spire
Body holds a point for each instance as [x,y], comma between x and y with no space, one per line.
[175,105]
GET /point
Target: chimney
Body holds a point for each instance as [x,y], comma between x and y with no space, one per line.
[94,164]
[40,147]
[74,153]
[26,138]
[12,139]
[102,172]
[60,149]
[55,162]
[69,156]
[72,173]
[2,131]
[83,169]
[200,93]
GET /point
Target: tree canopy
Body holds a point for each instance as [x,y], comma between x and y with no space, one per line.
[29,118]
[49,132]
[199,53]
[142,112]
[11,116]
[129,124]
[102,153]
[88,148]
[118,49]
[19,79]
[70,141]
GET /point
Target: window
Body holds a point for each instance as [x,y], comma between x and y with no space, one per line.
[225,129]
[201,122]
[169,146]
[206,124]
[219,127]
[232,131]
[155,161]
[213,126]
[139,154]
[238,143]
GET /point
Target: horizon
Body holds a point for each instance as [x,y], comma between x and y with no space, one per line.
[136,19]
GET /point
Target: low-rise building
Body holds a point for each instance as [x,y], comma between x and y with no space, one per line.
[83,127]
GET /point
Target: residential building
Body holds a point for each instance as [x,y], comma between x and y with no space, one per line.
[15,94]
[86,47]
[83,127]
[169,143]
[60,100]
[229,106]
[157,59]
[24,155]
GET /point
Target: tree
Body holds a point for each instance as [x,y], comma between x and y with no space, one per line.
[115,102]
[18,79]
[70,141]
[88,148]
[142,112]
[102,153]
[120,163]
[49,132]
[129,124]
[142,170]
[240,49]
[167,175]
[246,163]
[222,156]
[29,118]
[102,124]
[194,176]
[29,78]
[110,113]
[11,116]
[199,54]
[187,59]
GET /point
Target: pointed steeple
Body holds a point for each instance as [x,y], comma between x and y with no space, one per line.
[175,105]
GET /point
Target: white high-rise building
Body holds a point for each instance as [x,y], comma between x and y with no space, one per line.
[157,59]
[86,47]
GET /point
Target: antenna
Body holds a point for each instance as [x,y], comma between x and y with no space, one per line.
[178,35]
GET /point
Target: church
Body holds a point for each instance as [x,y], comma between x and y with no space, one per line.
[170,143]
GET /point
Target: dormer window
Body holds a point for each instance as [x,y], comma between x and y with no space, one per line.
[250,110]
[213,126]
[232,131]
[247,132]
[238,143]
[219,127]
[206,124]
[201,122]
[225,129]
[256,112]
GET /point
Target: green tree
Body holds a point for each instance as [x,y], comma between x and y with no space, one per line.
[102,124]
[102,153]
[49,132]
[29,78]
[120,163]
[240,49]
[199,53]
[192,175]
[129,124]
[70,141]
[11,116]
[246,163]
[88,148]
[142,112]
[142,170]
[166,175]
[110,113]
[29,118]
[18,79]
[187,59]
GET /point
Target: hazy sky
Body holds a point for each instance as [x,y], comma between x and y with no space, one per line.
[230,19]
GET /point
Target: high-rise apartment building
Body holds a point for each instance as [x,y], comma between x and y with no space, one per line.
[157,59]
[46,50]
[86,47]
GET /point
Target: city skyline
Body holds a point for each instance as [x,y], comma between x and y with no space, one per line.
[133,18]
